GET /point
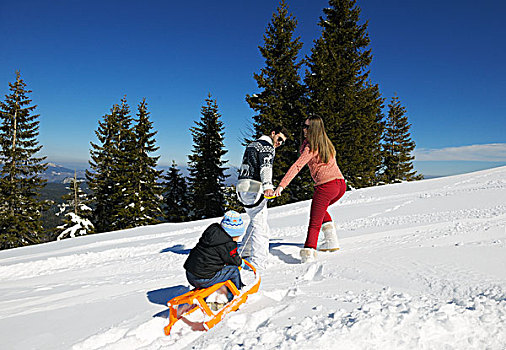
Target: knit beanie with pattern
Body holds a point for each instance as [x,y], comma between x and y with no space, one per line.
[232,223]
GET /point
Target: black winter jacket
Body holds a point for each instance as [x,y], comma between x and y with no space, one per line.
[214,250]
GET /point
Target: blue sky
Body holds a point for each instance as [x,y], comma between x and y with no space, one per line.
[444,59]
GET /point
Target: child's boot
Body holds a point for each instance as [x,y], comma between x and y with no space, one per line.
[215,306]
[307,255]
[330,242]
[218,299]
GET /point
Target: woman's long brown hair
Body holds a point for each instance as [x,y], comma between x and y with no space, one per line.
[318,139]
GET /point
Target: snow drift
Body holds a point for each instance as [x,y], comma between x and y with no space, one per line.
[422,265]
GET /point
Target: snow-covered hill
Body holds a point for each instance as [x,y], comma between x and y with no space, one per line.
[60,174]
[422,266]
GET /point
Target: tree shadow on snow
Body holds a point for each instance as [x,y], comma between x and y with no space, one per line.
[287,258]
[162,296]
[178,249]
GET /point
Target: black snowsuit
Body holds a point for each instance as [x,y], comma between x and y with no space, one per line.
[214,250]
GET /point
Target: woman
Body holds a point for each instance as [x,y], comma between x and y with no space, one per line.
[319,154]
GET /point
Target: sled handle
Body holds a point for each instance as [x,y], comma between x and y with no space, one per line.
[250,265]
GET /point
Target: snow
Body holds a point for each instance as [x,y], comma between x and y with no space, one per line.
[422,265]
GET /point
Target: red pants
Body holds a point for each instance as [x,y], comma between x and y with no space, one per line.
[324,195]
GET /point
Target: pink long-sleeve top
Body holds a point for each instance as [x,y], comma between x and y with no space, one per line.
[320,172]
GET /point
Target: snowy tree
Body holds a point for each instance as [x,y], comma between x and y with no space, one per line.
[122,167]
[398,146]
[141,197]
[176,206]
[206,165]
[123,177]
[107,177]
[281,99]
[76,212]
[20,180]
[341,93]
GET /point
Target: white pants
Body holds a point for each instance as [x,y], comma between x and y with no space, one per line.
[256,240]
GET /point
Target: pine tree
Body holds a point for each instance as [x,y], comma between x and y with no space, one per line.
[107,176]
[124,177]
[139,204]
[123,171]
[175,197]
[76,212]
[207,174]
[231,200]
[147,184]
[281,100]
[340,92]
[398,146]
[20,181]
[100,179]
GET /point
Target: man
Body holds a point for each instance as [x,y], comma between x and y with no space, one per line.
[254,184]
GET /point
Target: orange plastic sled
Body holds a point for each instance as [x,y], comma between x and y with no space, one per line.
[197,296]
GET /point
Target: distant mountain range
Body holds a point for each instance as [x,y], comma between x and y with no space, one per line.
[232,173]
[59,174]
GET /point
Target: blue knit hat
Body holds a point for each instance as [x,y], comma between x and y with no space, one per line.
[232,223]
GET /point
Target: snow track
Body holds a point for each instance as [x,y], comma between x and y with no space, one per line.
[422,265]
[384,320]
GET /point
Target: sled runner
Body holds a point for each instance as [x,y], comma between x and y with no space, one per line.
[196,298]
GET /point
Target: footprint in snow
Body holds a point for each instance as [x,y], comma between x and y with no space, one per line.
[314,272]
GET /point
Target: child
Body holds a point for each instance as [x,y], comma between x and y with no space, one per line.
[215,259]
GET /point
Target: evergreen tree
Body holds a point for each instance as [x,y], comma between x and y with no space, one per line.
[281,100]
[107,163]
[175,197]
[124,156]
[76,212]
[140,202]
[20,181]
[340,92]
[231,200]
[99,178]
[207,174]
[124,176]
[398,146]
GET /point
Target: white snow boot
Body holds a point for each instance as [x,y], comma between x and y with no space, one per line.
[307,255]
[218,299]
[330,242]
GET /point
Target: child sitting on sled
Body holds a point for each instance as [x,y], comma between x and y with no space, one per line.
[215,259]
